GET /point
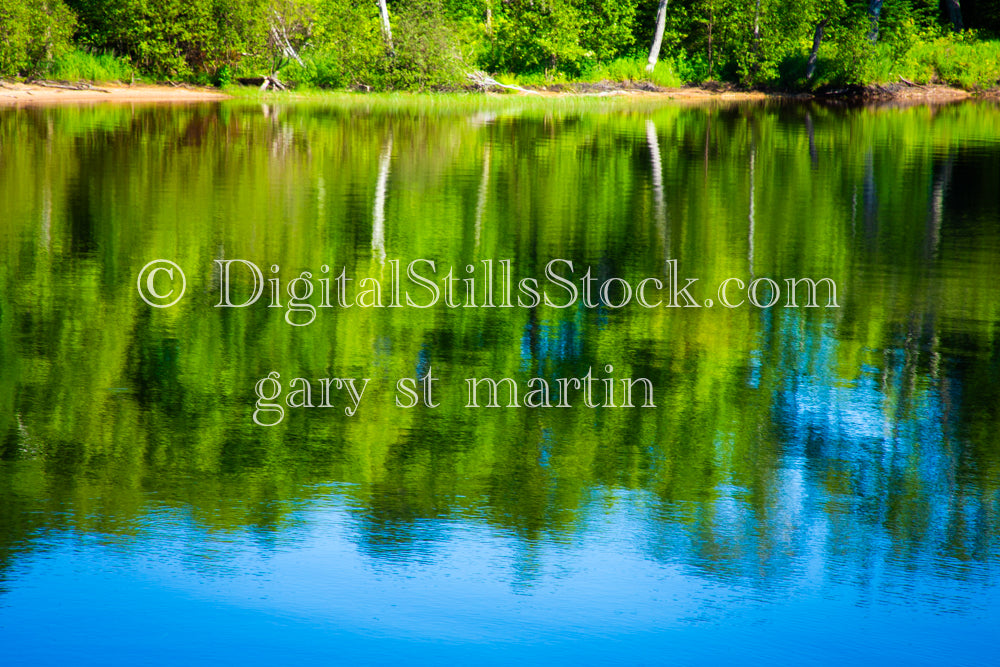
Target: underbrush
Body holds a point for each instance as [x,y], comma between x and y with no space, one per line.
[79,65]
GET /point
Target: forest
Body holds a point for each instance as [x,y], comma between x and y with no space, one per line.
[370,45]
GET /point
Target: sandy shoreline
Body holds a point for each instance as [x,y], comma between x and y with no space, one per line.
[908,93]
[24,94]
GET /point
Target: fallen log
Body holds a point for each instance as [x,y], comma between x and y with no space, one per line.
[484,81]
[910,83]
[68,86]
[262,82]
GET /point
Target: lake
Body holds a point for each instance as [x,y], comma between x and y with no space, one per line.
[288,463]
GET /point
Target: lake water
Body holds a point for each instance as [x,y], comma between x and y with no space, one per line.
[814,485]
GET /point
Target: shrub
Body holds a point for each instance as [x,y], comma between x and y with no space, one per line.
[426,52]
[174,38]
[32,34]
[530,36]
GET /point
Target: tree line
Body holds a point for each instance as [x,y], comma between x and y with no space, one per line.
[407,44]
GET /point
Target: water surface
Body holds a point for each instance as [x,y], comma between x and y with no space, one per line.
[814,485]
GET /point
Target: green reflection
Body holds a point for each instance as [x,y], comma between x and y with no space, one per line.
[876,419]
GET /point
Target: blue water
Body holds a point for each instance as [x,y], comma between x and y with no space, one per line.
[173,593]
[814,487]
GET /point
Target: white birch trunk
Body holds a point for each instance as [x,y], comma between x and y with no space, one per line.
[659,196]
[654,50]
[378,211]
[383,11]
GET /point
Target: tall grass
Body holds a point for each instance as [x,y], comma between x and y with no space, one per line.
[78,65]
[960,62]
[621,70]
[633,70]
[955,60]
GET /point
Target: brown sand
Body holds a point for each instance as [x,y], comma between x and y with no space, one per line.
[23,94]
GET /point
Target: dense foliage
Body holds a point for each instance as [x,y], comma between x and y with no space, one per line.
[433,43]
[32,32]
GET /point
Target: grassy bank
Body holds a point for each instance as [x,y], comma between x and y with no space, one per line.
[963,63]
[79,65]
[952,60]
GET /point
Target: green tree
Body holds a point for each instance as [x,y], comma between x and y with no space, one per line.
[559,35]
[533,36]
[608,28]
[174,37]
[32,33]
[289,29]
[349,49]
